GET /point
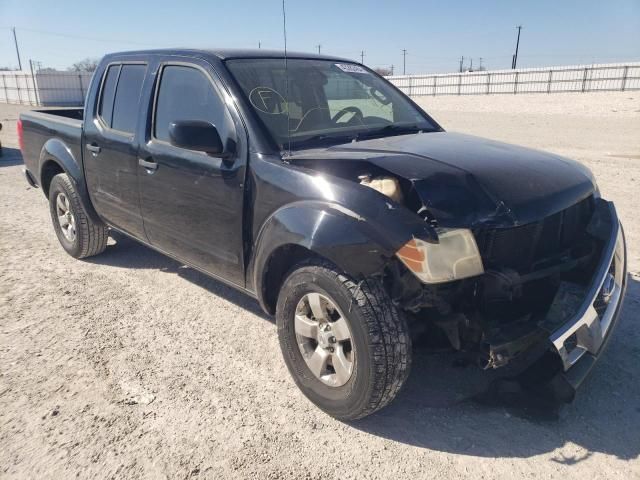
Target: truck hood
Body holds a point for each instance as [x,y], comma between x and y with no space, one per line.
[468,181]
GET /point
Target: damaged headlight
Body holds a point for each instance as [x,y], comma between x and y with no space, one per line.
[455,257]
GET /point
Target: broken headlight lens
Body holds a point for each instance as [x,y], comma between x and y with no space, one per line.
[456,256]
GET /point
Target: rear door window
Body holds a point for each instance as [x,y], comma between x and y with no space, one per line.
[125,106]
[105,111]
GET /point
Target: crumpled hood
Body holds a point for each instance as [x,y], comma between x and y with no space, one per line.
[466,181]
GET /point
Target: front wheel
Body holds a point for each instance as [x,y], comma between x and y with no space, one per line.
[345,344]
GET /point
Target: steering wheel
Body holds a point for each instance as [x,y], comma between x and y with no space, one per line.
[357,113]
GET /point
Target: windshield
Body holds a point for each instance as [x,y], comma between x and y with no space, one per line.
[329,102]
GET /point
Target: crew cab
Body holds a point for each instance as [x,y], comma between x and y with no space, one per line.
[314,185]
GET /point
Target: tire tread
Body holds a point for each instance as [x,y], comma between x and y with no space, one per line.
[92,236]
[387,330]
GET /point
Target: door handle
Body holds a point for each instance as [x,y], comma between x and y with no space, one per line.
[149,165]
[93,148]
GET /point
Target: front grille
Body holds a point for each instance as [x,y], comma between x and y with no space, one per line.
[520,248]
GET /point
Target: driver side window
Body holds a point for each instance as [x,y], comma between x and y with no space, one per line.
[185,93]
[343,92]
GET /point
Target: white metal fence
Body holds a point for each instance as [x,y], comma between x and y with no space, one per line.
[575,78]
[70,88]
[44,88]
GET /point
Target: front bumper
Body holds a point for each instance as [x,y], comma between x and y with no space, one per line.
[581,340]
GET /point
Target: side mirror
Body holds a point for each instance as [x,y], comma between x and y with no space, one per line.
[196,135]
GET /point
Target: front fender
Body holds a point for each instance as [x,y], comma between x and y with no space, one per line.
[357,245]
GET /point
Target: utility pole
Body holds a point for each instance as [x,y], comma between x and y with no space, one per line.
[480,67]
[404,61]
[471,65]
[362,57]
[461,63]
[514,62]
[259,44]
[319,46]
[391,70]
[15,40]
[33,79]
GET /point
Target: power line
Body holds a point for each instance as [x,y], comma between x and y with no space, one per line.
[82,37]
[429,62]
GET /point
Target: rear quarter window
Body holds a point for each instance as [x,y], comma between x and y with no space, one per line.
[105,111]
[127,99]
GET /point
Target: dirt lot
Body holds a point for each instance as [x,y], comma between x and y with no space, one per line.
[130,365]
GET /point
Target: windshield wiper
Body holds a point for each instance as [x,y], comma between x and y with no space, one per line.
[387,130]
[392,129]
[325,136]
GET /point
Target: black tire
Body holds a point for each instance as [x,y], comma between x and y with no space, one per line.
[90,238]
[382,346]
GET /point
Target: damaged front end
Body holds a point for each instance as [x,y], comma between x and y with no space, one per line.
[551,285]
[501,285]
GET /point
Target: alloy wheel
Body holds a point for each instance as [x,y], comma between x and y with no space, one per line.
[66,219]
[324,339]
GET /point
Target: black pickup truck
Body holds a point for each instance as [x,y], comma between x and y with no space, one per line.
[314,185]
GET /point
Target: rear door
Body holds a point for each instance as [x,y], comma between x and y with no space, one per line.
[111,147]
[192,202]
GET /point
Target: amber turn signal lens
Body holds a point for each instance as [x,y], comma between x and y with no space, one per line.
[454,257]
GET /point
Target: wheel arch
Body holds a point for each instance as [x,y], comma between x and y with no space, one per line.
[56,158]
[314,230]
[50,168]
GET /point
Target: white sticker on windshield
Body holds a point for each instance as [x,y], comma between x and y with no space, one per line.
[350,68]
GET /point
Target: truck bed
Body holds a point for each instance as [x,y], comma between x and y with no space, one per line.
[72,113]
[56,125]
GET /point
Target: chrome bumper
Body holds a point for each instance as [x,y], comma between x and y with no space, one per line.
[587,331]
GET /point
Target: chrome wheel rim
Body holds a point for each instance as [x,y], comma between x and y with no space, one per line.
[66,219]
[324,339]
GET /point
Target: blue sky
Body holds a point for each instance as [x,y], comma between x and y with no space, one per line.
[434,33]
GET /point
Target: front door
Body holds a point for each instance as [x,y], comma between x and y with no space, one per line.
[111,148]
[192,202]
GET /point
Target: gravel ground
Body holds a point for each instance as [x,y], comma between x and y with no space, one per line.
[130,365]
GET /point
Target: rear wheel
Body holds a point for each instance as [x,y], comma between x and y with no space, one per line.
[77,233]
[345,344]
